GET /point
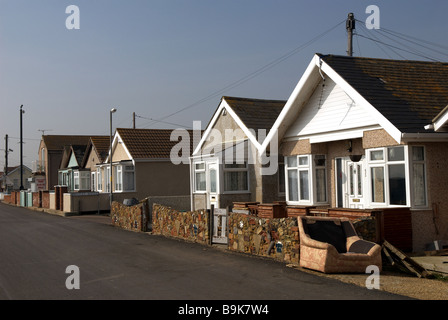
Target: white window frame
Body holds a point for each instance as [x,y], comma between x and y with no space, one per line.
[93,182]
[308,165]
[228,170]
[99,179]
[385,163]
[411,167]
[76,180]
[202,170]
[118,185]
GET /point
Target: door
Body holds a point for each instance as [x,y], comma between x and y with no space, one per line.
[355,174]
[212,182]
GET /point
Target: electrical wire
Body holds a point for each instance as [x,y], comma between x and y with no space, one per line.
[253,74]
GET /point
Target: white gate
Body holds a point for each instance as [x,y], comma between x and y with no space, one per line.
[220,225]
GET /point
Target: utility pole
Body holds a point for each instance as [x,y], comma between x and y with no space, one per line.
[21,148]
[350,26]
[133,120]
[6,160]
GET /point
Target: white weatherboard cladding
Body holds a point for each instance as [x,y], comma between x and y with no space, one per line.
[329,109]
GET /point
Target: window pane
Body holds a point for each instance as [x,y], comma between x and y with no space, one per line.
[212,173]
[395,154]
[397,184]
[235,181]
[321,185]
[293,191]
[319,160]
[128,182]
[303,161]
[200,181]
[359,171]
[377,184]
[304,187]
[351,177]
[291,161]
[235,165]
[200,166]
[376,155]
[418,179]
[418,154]
[281,178]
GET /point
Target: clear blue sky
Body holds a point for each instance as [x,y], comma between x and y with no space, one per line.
[157,57]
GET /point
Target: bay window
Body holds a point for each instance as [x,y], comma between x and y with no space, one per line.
[124,178]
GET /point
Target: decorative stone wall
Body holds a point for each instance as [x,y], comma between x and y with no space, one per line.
[133,218]
[187,225]
[276,238]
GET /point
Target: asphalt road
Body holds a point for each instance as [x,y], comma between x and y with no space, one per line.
[114,264]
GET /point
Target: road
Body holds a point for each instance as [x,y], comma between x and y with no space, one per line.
[36,248]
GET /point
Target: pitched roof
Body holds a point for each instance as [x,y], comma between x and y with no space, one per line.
[256,113]
[101,144]
[58,142]
[410,94]
[151,143]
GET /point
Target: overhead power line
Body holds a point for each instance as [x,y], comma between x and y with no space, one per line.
[252,74]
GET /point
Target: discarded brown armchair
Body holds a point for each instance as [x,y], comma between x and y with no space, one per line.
[331,245]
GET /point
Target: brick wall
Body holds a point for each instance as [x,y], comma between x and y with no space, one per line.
[133,218]
[45,199]
[276,238]
[187,225]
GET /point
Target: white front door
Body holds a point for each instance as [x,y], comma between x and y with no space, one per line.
[355,184]
[212,181]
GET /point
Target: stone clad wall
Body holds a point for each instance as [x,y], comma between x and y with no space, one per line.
[276,238]
[133,218]
[187,225]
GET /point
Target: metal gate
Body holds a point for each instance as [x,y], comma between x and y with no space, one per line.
[220,225]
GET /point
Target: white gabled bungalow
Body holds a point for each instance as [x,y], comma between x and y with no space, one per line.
[368,133]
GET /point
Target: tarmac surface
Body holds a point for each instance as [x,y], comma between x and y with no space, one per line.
[391,281]
[114,264]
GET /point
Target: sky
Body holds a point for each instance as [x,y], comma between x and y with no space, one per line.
[173,60]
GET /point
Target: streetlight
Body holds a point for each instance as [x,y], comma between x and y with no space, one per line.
[21,148]
[113,110]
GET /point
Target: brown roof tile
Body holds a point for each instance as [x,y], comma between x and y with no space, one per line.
[150,143]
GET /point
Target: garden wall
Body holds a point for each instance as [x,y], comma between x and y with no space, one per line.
[187,225]
[133,218]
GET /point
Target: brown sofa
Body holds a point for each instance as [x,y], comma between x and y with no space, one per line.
[331,245]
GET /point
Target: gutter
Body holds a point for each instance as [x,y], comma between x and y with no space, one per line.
[429,137]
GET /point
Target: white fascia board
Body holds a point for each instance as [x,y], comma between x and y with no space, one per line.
[424,137]
[360,100]
[229,110]
[441,120]
[288,108]
[209,128]
[243,127]
[117,139]
[335,135]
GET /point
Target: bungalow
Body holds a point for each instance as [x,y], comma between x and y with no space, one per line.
[142,167]
[50,153]
[95,154]
[227,166]
[369,133]
[11,181]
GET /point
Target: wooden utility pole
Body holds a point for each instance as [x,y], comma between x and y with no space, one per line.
[350,26]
